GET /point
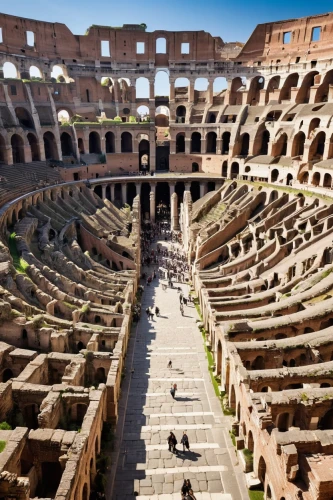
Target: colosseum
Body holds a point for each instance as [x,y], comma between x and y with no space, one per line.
[210,208]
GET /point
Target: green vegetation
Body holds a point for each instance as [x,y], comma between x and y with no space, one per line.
[5,427]
[20,264]
[69,305]
[256,495]
[2,445]
[248,456]
[233,438]
[304,397]
[85,308]
[38,322]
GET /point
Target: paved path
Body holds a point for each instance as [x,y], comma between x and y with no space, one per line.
[146,470]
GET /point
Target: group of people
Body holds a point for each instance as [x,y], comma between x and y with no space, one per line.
[172,442]
[150,312]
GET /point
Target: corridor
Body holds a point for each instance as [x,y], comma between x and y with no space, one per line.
[146,470]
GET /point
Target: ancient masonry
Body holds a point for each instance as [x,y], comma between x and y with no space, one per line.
[245,167]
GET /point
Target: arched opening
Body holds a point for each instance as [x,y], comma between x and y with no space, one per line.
[80,345]
[195,168]
[179,190]
[94,143]
[236,94]
[303,94]
[289,180]
[58,73]
[219,358]
[126,143]
[24,118]
[143,114]
[326,422]
[144,154]
[196,142]
[298,145]
[225,143]
[280,146]
[161,46]
[258,363]
[225,169]
[234,170]
[142,88]
[262,470]
[291,81]
[250,444]
[272,86]
[110,143]
[17,148]
[219,86]
[328,181]
[53,472]
[131,193]
[180,143]
[7,375]
[257,84]
[245,144]
[269,493]
[66,144]
[316,179]
[314,123]
[264,142]
[80,146]
[85,492]
[162,201]
[317,147]
[50,146]
[274,175]
[283,422]
[162,116]
[232,402]
[323,89]
[35,73]
[10,70]
[34,147]
[180,114]
[211,142]
[3,150]
[162,84]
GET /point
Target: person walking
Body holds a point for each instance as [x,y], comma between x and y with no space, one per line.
[172,442]
[170,364]
[157,311]
[185,442]
[186,487]
[190,495]
[182,309]
[151,313]
[172,392]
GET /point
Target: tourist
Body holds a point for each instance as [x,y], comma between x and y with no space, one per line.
[170,364]
[186,487]
[185,442]
[172,392]
[157,311]
[151,313]
[182,309]
[190,495]
[172,441]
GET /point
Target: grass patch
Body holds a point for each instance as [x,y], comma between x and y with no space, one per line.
[5,427]
[20,264]
[248,456]
[256,495]
[2,445]
[233,438]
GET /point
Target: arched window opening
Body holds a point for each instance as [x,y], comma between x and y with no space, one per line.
[109,142]
[180,143]
[24,118]
[316,179]
[211,138]
[143,113]
[161,47]
[63,116]
[81,146]
[10,70]
[180,114]
[94,143]
[17,148]
[162,84]
[50,146]
[303,94]
[142,88]
[144,153]
[34,147]
[225,143]
[317,147]
[280,147]
[298,145]
[274,175]
[315,123]
[195,167]
[35,73]
[256,86]
[291,81]
[234,170]
[58,73]
[225,169]
[245,144]
[196,142]
[66,144]
[126,143]
[264,142]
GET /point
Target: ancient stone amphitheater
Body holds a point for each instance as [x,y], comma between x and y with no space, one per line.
[244,161]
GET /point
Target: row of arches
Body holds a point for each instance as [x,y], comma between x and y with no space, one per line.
[196,138]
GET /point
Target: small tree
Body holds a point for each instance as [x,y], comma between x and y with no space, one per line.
[117,119]
[132,119]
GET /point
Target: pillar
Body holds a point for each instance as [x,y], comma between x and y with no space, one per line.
[152,203]
[203,189]
[172,188]
[210,92]
[151,89]
[191,90]
[172,90]
[103,191]
[124,193]
[187,186]
[112,186]
[187,146]
[138,188]
[174,213]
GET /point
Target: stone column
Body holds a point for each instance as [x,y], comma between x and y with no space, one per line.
[187,186]
[151,89]
[210,92]
[172,188]
[203,189]
[172,90]
[152,203]
[124,193]
[191,90]
[187,146]
[112,186]
[138,188]
[103,191]
[174,213]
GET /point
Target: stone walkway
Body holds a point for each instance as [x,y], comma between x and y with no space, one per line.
[146,470]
